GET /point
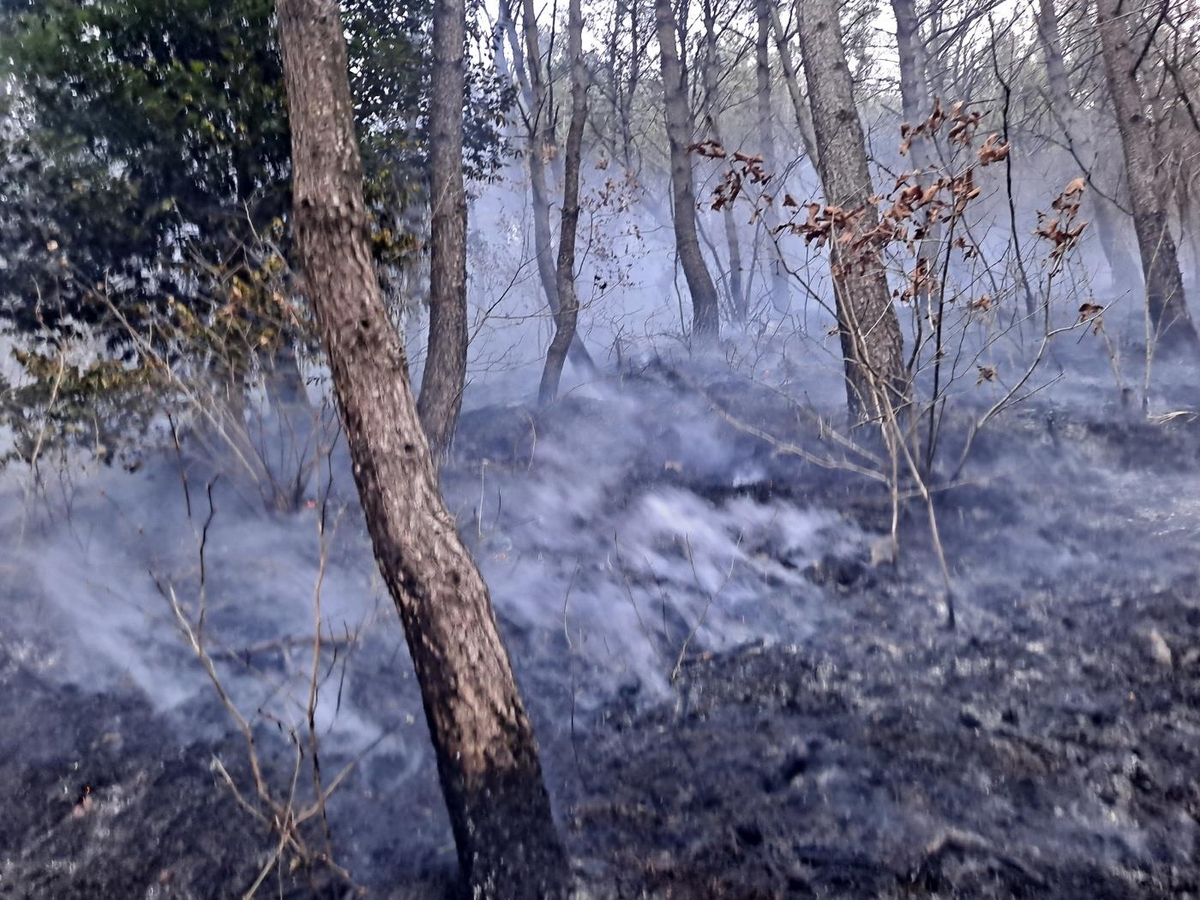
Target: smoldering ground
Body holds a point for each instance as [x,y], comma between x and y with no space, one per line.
[739,692]
[735,694]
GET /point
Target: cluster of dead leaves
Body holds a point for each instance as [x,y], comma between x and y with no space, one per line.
[963,125]
[1062,228]
[910,212]
[1094,312]
[823,222]
[744,168]
[921,282]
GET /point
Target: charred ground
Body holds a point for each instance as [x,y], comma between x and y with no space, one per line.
[1046,747]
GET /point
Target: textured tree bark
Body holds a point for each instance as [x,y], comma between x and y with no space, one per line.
[872,346]
[541,145]
[1107,217]
[446,361]
[705,309]
[486,753]
[1167,308]
[568,310]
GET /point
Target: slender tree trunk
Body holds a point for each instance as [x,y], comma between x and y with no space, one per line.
[916,105]
[541,148]
[632,83]
[486,752]
[712,68]
[705,308]
[804,120]
[1167,308]
[637,52]
[446,362]
[568,311]
[1106,216]
[872,345]
[506,26]
[618,141]
[778,287]
[914,89]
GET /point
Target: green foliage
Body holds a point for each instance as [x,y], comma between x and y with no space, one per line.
[145,167]
[144,128]
[150,132]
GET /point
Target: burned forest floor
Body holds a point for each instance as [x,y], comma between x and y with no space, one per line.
[739,690]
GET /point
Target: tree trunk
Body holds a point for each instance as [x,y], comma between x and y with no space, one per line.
[872,346]
[705,308]
[446,362]
[1106,216]
[632,84]
[540,148]
[568,310]
[916,105]
[486,752]
[622,83]
[1169,317]
[914,89]
[800,106]
[637,49]
[778,287]
[712,68]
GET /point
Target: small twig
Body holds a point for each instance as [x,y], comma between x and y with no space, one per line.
[712,597]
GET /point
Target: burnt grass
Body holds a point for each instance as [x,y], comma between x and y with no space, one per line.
[1046,747]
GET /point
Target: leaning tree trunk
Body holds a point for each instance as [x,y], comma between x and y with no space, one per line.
[1167,309]
[486,752]
[799,104]
[446,362]
[872,346]
[541,145]
[568,309]
[705,309]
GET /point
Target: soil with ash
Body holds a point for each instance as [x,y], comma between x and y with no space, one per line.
[1058,763]
[1047,747]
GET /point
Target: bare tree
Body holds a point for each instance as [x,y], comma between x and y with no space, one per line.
[624,60]
[799,103]
[487,756]
[915,104]
[872,345]
[568,299]
[778,287]
[705,308]
[711,72]
[1107,216]
[446,362]
[1169,317]
[541,148]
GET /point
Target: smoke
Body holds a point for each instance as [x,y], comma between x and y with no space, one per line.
[623,532]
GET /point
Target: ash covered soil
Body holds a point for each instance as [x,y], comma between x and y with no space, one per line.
[776,709]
